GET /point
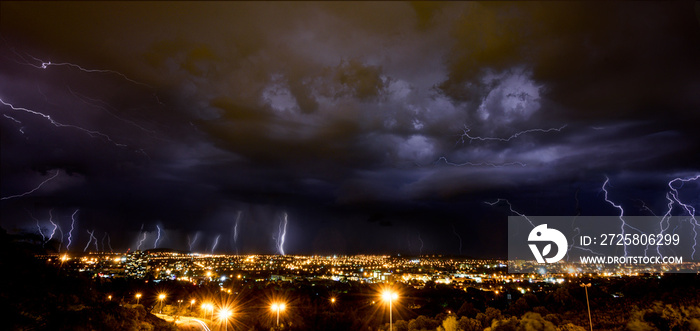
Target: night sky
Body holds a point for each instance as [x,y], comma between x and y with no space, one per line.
[374,127]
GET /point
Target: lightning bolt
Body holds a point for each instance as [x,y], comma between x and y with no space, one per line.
[191,244]
[479,164]
[52,223]
[55,227]
[645,207]
[103,241]
[138,248]
[109,243]
[623,224]
[94,103]
[60,242]
[21,128]
[465,134]
[458,237]
[282,232]
[155,244]
[673,198]
[92,235]
[72,226]
[46,64]
[420,250]
[43,238]
[216,242]
[12,118]
[97,249]
[511,209]
[41,64]
[91,133]
[34,189]
[235,232]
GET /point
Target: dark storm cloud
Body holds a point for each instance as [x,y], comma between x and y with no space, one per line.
[338,112]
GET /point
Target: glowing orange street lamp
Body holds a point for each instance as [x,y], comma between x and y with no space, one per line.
[390,296]
[224,316]
[277,307]
[138,297]
[208,307]
[191,303]
[161,297]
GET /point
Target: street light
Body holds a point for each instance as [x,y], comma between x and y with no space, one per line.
[224,315]
[161,297]
[191,303]
[585,287]
[208,307]
[277,307]
[390,296]
[138,296]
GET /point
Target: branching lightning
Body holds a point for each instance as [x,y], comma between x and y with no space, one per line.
[47,64]
[479,164]
[34,189]
[645,207]
[43,238]
[91,133]
[511,209]
[53,232]
[673,198]
[622,213]
[97,249]
[92,235]
[191,244]
[55,227]
[466,136]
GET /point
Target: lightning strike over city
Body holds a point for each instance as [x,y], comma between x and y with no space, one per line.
[216,243]
[72,227]
[350,165]
[55,226]
[155,243]
[138,247]
[91,235]
[194,240]
[420,249]
[235,232]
